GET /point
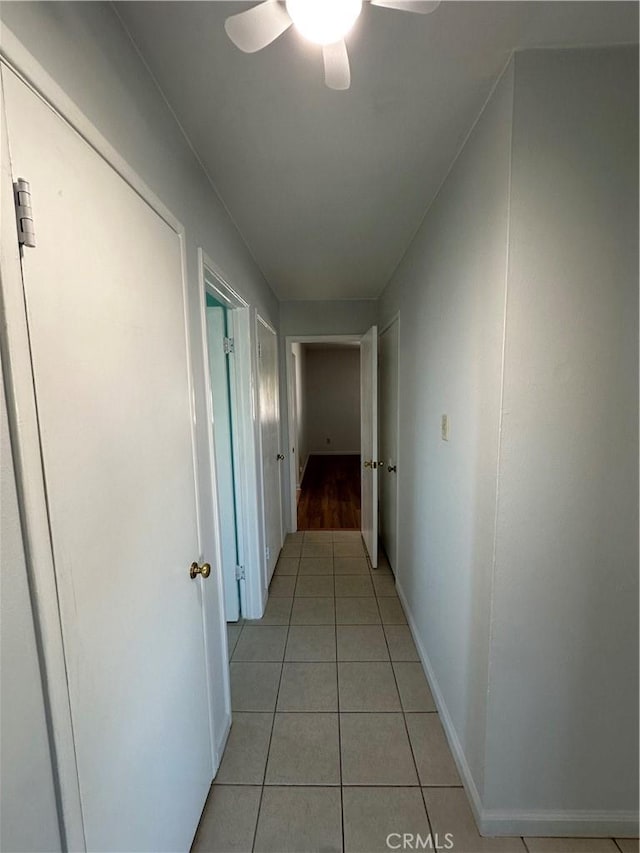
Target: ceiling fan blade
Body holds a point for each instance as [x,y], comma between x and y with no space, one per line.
[421,7]
[337,74]
[257,27]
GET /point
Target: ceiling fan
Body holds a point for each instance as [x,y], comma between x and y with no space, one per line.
[325,22]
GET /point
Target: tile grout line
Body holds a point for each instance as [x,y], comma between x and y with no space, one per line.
[273,722]
[406,728]
[232,650]
[404,716]
[317,662]
[324,785]
[276,711]
[335,610]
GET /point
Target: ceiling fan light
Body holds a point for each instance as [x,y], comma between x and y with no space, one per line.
[324,21]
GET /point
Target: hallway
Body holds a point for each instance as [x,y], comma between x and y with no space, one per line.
[330,494]
[414,281]
[336,742]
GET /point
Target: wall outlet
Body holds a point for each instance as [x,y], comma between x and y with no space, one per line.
[445,427]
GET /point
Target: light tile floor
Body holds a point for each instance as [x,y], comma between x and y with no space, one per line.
[336,742]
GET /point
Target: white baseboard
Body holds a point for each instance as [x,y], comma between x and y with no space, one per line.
[445,718]
[588,824]
[304,468]
[578,824]
[221,745]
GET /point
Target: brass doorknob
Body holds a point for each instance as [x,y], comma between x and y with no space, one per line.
[195,570]
[367,463]
[280,457]
[391,469]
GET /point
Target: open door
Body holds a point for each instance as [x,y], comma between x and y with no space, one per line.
[270,435]
[388,428]
[219,353]
[369,441]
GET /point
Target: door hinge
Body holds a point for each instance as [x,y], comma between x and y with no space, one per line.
[239,573]
[259,350]
[24,213]
[267,553]
[229,346]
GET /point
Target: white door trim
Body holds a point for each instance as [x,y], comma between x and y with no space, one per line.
[266,324]
[262,517]
[389,323]
[263,513]
[291,431]
[385,328]
[16,56]
[245,440]
[369,409]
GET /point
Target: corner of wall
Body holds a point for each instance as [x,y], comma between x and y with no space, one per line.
[508,75]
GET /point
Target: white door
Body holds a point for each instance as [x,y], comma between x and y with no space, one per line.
[270,435]
[369,441]
[223,444]
[389,441]
[105,306]
[295,426]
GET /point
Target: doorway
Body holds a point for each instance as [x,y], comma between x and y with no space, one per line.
[367,446]
[229,347]
[220,347]
[325,426]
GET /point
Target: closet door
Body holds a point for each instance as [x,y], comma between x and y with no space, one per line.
[105,307]
[270,434]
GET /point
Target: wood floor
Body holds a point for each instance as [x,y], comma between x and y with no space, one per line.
[330,495]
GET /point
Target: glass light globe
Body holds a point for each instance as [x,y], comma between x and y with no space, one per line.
[324,21]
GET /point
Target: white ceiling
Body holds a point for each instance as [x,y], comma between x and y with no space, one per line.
[328,188]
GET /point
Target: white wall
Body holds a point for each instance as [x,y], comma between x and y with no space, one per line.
[450,291]
[563,692]
[519,537]
[28,816]
[331,317]
[332,397]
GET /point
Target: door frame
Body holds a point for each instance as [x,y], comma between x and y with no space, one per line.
[17,374]
[243,405]
[24,437]
[263,513]
[394,319]
[291,415]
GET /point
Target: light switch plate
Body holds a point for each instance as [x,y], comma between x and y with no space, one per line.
[445,427]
